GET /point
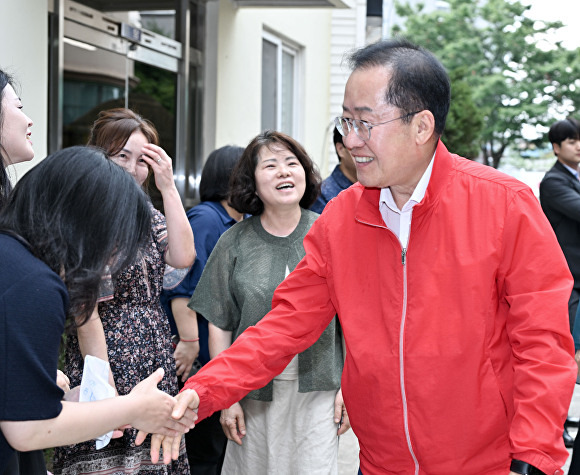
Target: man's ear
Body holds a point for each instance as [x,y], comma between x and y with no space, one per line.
[425,126]
[338,147]
[556,148]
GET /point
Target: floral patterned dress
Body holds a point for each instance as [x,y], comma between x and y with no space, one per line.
[138,342]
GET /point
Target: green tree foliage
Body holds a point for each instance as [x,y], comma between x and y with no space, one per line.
[465,120]
[516,75]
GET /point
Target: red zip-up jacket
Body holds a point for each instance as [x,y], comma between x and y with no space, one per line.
[459,354]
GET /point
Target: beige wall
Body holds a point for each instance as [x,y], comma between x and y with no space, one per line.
[24,35]
[239,64]
[24,54]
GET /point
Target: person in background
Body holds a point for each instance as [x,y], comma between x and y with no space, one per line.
[16,147]
[61,227]
[343,175]
[450,287]
[560,199]
[15,143]
[206,444]
[129,328]
[288,426]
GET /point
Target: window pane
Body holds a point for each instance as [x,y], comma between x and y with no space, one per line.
[287,93]
[269,89]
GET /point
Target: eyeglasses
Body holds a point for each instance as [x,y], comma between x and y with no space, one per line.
[362,129]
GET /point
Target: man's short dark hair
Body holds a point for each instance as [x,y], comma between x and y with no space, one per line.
[337,139]
[418,80]
[563,130]
[243,197]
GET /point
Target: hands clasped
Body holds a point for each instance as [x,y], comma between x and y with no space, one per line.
[172,424]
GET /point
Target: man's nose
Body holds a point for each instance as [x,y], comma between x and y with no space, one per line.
[352,140]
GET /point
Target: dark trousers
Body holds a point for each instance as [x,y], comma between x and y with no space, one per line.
[206,446]
[26,463]
[575,463]
[573,306]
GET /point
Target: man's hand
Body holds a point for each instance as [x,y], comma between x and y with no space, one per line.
[233,423]
[155,409]
[340,414]
[185,412]
[187,402]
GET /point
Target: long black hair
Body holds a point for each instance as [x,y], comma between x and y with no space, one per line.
[79,213]
[5,185]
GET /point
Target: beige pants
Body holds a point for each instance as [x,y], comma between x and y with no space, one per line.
[295,434]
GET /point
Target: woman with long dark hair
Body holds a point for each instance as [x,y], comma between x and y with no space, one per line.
[15,144]
[129,328]
[61,227]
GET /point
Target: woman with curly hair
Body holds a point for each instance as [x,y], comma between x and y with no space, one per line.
[288,426]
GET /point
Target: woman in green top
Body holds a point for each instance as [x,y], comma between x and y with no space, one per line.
[290,425]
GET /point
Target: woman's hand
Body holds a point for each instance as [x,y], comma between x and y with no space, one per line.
[340,414]
[185,354]
[180,251]
[161,165]
[233,423]
[62,381]
[170,447]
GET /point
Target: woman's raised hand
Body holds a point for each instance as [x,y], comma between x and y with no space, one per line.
[161,164]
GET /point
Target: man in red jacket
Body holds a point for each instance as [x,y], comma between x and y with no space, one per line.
[450,287]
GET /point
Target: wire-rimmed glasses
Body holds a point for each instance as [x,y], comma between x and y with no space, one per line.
[362,128]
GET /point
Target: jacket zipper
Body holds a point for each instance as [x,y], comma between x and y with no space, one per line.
[401,361]
[401,348]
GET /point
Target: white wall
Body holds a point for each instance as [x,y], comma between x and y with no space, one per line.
[239,66]
[348,33]
[24,54]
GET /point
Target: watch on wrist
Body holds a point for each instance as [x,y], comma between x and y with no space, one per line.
[524,468]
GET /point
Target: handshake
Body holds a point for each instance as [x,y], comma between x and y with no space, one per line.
[166,418]
[152,411]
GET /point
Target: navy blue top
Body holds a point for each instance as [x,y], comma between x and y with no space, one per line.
[33,305]
[330,187]
[208,220]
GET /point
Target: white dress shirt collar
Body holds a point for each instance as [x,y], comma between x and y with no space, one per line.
[399,220]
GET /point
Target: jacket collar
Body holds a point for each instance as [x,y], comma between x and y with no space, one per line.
[558,165]
[367,210]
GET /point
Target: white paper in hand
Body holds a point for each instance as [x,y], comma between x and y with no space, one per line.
[95,386]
